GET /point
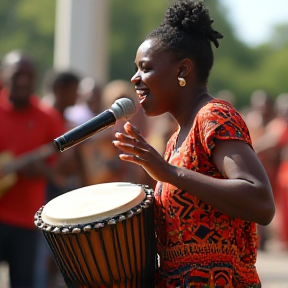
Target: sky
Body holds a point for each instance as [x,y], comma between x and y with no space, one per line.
[253,19]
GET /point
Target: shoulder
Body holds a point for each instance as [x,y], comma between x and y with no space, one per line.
[218,112]
[46,109]
[49,116]
[218,108]
[218,119]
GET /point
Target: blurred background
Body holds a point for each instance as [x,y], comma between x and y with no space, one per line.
[252,55]
[99,39]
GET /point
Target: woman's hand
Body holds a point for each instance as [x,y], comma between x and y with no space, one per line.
[138,151]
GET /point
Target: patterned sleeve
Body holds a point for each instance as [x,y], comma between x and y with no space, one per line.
[221,121]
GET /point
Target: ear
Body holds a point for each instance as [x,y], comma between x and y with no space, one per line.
[185,68]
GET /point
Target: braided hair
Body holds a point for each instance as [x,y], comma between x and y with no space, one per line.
[186,31]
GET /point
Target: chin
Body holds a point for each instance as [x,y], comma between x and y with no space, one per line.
[151,113]
[151,110]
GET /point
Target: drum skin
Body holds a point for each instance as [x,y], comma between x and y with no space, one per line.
[119,251]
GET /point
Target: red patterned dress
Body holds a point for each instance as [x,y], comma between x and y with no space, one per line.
[199,246]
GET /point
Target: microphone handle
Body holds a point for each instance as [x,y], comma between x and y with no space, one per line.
[85,130]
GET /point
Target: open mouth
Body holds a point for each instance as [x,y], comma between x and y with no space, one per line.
[142,94]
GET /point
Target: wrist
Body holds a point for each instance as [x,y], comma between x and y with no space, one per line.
[172,175]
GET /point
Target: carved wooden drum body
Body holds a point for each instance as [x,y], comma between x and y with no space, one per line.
[102,235]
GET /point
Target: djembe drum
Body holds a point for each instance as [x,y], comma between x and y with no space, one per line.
[102,235]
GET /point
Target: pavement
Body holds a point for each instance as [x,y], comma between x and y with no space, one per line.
[272,267]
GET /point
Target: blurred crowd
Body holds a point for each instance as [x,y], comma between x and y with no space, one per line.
[267,120]
[30,122]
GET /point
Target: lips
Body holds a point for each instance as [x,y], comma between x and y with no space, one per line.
[142,94]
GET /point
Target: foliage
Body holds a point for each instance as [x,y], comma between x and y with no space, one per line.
[29,25]
[242,69]
[130,23]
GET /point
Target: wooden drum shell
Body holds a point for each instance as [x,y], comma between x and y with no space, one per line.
[116,252]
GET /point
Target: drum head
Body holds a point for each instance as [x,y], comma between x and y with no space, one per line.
[92,203]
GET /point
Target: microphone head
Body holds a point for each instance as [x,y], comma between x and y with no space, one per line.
[124,108]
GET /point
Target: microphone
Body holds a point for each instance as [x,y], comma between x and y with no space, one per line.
[121,108]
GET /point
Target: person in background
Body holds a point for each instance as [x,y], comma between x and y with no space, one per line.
[102,163]
[272,146]
[161,128]
[268,146]
[226,95]
[282,172]
[123,89]
[25,127]
[211,187]
[61,92]
[88,104]
[259,114]
[119,88]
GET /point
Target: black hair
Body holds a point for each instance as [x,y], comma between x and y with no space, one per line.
[65,78]
[55,79]
[186,31]
[15,58]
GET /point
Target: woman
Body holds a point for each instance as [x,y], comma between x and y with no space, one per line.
[212,189]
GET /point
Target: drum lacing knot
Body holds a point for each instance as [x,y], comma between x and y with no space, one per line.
[87,228]
[76,230]
[112,222]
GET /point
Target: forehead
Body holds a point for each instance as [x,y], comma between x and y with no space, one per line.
[147,45]
[21,67]
[149,50]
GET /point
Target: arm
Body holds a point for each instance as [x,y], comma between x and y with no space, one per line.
[246,193]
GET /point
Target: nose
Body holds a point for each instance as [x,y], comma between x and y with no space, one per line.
[22,80]
[136,78]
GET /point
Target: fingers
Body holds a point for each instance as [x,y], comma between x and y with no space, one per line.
[132,158]
[123,138]
[128,147]
[133,131]
[129,144]
[132,137]
[132,144]
[132,153]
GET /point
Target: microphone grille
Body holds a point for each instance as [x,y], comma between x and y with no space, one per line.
[124,108]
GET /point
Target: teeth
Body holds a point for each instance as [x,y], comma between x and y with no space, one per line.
[142,95]
[141,92]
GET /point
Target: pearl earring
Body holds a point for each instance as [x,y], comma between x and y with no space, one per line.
[182,81]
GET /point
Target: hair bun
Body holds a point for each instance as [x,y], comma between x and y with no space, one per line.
[193,18]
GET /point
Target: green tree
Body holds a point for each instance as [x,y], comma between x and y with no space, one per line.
[28,25]
[242,69]
[130,23]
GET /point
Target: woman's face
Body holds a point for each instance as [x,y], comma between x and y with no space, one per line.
[155,80]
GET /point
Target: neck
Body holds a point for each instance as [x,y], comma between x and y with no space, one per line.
[192,106]
[59,107]
[187,116]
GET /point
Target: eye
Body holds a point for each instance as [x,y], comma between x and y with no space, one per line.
[144,67]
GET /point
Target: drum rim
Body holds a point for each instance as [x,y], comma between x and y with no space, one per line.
[92,203]
[86,227]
